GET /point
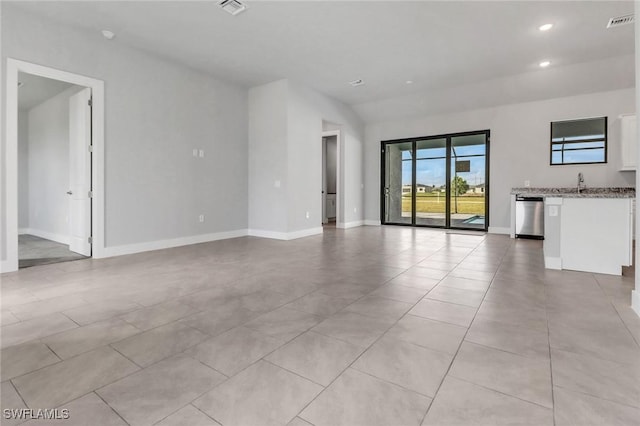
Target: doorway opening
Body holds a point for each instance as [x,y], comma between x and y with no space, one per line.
[54,171]
[81,170]
[329,180]
[437,181]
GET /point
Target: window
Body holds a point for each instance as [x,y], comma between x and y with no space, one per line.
[579,141]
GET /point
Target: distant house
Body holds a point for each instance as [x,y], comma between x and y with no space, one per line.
[420,188]
[476,189]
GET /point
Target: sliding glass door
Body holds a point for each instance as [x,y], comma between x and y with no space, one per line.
[438,181]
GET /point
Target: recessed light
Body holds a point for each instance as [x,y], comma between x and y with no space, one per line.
[545,64]
[109,35]
[409,81]
[545,27]
[232,6]
[358,82]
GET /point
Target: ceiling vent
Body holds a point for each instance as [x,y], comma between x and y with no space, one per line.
[357,82]
[234,7]
[621,20]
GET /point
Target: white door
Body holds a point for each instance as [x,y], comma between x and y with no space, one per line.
[80,172]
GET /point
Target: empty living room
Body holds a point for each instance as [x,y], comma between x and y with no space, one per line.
[358,213]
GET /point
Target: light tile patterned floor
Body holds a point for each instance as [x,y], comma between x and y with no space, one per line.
[373,325]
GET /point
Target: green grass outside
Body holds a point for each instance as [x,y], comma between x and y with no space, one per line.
[431,203]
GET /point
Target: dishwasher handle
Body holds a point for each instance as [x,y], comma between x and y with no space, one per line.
[528,198]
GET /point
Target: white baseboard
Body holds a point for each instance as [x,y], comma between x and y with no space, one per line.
[499,230]
[553,262]
[165,244]
[369,222]
[8,266]
[347,225]
[285,236]
[58,238]
[635,301]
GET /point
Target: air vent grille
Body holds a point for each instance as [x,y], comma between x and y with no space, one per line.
[621,20]
[232,6]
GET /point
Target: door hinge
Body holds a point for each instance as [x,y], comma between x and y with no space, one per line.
[90,102]
[90,240]
[90,194]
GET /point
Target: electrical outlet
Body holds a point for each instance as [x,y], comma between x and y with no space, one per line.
[201,218]
[201,153]
[307,215]
[355,210]
[527,183]
[195,152]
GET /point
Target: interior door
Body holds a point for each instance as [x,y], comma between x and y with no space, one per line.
[80,172]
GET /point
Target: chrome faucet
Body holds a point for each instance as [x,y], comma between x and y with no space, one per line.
[581,184]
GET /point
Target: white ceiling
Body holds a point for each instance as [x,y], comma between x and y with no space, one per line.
[325,44]
[35,90]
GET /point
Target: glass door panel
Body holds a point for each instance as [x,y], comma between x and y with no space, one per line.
[431,182]
[468,173]
[398,183]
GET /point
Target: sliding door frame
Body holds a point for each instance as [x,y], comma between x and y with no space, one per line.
[448,137]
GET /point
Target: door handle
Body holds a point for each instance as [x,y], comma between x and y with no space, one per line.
[69,192]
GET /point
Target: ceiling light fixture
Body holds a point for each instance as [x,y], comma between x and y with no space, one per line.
[358,82]
[234,7]
[109,35]
[545,64]
[545,27]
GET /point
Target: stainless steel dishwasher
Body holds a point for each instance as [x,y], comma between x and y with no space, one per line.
[529,217]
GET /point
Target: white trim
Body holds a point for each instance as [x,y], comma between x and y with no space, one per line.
[260,233]
[368,222]
[58,238]
[15,66]
[635,301]
[339,170]
[499,230]
[174,242]
[285,236]
[348,225]
[553,262]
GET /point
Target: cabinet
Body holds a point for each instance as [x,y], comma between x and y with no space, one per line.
[629,143]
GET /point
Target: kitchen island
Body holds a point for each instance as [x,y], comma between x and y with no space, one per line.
[589,230]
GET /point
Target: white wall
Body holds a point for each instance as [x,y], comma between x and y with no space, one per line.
[343,118]
[23,169]
[49,168]
[304,158]
[268,157]
[286,121]
[519,146]
[157,112]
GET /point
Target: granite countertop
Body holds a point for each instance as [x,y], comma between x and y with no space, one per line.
[573,192]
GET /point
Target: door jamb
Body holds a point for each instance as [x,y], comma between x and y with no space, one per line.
[339,177]
[14,66]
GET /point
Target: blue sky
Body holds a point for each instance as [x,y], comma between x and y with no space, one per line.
[433,172]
